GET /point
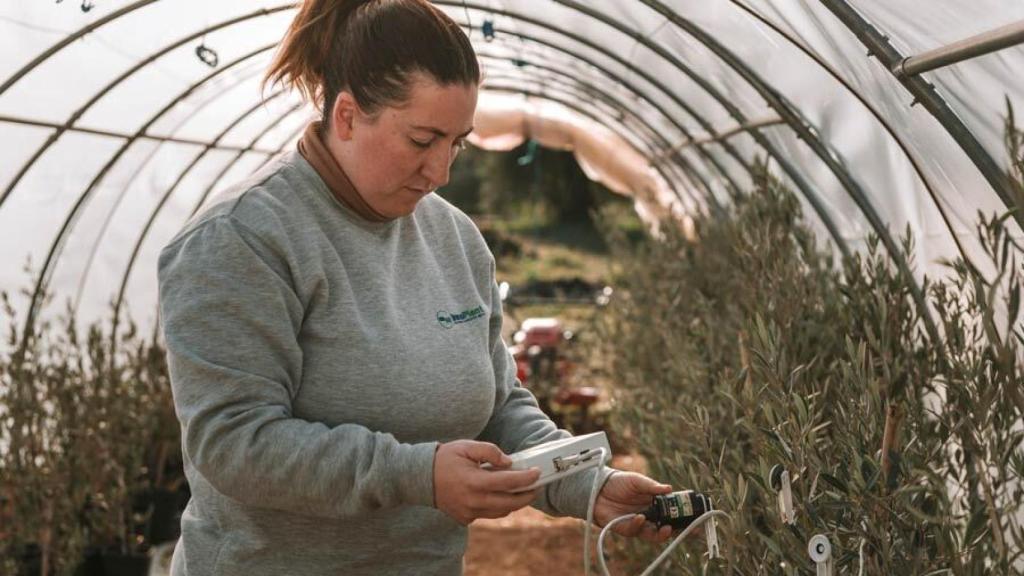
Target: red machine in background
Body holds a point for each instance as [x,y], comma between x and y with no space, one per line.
[543,366]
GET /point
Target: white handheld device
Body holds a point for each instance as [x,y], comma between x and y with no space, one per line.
[560,458]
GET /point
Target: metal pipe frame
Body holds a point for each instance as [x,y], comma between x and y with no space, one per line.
[72,216]
[795,176]
[124,76]
[170,191]
[803,129]
[645,140]
[924,93]
[903,146]
[611,55]
[615,104]
[588,90]
[107,19]
[676,148]
[70,39]
[68,126]
[977,45]
[131,179]
[110,134]
[695,179]
[571,4]
[141,165]
[731,185]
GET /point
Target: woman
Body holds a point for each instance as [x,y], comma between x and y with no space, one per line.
[333,328]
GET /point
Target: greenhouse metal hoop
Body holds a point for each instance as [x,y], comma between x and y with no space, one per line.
[869,35]
[596,117]
[181,177]
[732,187]
[884,122]
[124,76]
[149,157]
[122,12]
[707,126]
[795,176]
[927,95]
[72,216]
[590,91]
[803,128]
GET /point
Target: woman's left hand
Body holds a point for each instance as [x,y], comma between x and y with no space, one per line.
[630,493]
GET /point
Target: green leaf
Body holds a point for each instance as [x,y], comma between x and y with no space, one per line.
[835,482]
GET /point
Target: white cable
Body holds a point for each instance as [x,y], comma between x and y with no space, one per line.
[595,488]
[700,520]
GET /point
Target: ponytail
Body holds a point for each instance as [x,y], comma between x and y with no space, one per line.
[370,48]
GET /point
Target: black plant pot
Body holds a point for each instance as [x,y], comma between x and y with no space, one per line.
[162,509]
[125,565]
[113,564]
[164,521]
[31,561]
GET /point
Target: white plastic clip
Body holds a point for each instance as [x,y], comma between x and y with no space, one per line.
[820,551]
[780,482]
[711,535]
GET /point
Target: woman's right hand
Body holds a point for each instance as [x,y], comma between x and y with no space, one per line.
[465,491]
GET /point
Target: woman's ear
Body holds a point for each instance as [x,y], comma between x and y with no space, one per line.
[343,115]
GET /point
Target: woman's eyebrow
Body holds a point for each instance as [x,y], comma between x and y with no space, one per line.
[442,133]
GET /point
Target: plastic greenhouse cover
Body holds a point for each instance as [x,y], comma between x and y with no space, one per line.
[110,142]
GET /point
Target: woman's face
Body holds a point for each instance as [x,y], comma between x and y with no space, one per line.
[401,154]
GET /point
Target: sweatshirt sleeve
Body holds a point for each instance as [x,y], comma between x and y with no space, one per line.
[518,423]
[230,317]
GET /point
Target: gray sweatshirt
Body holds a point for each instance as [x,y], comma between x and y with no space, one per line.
[316,360]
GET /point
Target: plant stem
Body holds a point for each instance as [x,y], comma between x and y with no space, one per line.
[993,517]
[890,439]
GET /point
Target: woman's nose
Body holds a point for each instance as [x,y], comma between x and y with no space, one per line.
[437,166]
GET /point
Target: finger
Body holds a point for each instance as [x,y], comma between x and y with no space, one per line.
[506,503]
[631,527]
[664,533]
[651,533]
[485,452]
[508,480]
[646,485]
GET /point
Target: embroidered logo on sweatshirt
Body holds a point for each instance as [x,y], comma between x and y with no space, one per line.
[447,319]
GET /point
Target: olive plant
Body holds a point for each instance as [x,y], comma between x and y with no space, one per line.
[84,419]
[748,347]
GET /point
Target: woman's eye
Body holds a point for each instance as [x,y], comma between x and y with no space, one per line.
[420,144]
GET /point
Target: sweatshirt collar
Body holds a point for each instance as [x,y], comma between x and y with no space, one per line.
[313,149]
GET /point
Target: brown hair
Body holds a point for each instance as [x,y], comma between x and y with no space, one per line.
[370,48]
